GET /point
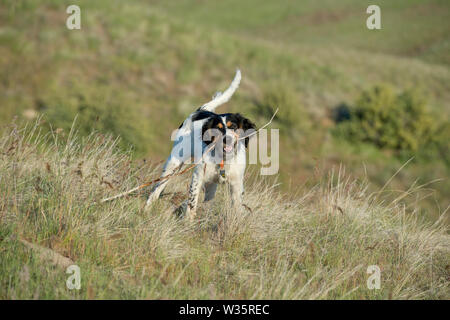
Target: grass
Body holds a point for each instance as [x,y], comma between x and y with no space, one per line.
[410,28]
[136,69]
[290,246]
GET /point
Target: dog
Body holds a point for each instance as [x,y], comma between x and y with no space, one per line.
[228,133]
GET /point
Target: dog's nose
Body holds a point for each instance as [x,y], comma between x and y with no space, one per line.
[227,139]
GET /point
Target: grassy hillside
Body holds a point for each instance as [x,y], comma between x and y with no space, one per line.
[411,28]
[284,247]
[137,68]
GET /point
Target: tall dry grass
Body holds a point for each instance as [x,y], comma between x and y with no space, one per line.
[314,244]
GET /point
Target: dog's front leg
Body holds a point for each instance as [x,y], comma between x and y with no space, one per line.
[236,190]
[236,184]
[194,190]
[172,163]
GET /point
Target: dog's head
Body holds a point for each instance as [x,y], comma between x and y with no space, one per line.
[228,127]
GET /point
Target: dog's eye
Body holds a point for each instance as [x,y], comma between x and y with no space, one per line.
[231,125]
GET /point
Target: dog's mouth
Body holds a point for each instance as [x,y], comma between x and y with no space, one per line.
[228,148]
[229,144]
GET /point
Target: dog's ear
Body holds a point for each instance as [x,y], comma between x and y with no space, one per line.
[211,129]
[246,125]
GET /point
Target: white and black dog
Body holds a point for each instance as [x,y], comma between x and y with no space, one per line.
[225,162]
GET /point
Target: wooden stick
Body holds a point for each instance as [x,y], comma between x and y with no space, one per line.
[160,178]
[255,132]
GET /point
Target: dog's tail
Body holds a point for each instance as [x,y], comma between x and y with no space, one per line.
[221,98]
[218,99]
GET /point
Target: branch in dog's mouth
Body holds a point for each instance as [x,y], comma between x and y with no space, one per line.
[255,132]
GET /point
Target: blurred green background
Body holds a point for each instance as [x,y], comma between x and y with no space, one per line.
[367,99]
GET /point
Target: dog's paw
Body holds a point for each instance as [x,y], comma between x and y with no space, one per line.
[184,211]
[188,212]
[181,210]
[147,205]
[151,199]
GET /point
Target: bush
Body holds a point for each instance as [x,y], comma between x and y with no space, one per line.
[291,113]
[399,122]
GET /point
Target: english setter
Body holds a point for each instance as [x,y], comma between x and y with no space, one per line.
[225,163]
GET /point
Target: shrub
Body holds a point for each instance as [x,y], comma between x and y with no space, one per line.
[291,112]
[399,122]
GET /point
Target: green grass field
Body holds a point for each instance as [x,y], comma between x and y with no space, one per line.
[136,69]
